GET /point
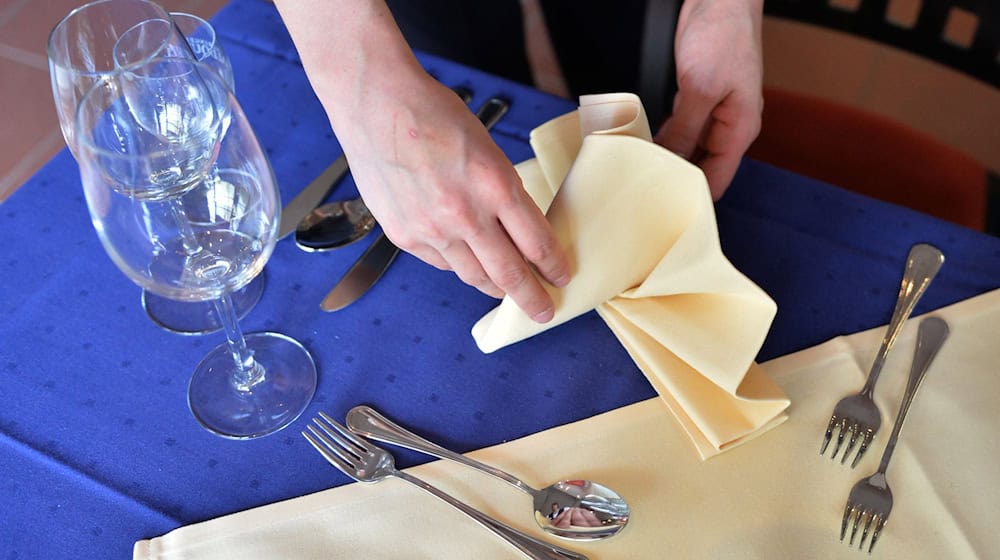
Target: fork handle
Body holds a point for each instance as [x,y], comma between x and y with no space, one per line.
[530,546]
[931,336]
[368,422]
[922,265]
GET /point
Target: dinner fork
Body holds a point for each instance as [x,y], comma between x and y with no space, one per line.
[870,500]
[858,414]
[366,462]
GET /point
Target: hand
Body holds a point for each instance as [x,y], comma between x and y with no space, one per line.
[716,113]
[426,167]
[443,191]
[576,517]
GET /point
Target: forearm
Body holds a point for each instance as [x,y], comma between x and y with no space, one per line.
[353,54]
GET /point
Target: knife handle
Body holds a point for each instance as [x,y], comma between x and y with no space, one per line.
[492,111]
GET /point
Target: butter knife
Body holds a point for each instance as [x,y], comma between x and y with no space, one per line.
[311,196]
[376,259]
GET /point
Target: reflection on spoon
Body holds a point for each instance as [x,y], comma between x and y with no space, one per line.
[572,509]
[334,224]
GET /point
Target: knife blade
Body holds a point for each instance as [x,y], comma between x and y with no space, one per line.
[370,266]
[311,196]
[362,275]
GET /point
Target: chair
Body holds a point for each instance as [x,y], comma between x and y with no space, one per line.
[873,154]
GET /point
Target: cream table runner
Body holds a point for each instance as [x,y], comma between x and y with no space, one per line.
[775,499]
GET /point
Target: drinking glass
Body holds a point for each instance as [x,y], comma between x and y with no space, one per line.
[184,202]
[154,37]
[84,47]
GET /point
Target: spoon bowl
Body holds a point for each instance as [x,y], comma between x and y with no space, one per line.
[334,224]
[571,509]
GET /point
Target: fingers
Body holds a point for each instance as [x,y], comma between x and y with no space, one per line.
[684,130]
[728,129]
[497,265]
[506,267]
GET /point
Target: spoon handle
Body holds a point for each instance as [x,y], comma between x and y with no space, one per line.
[366,421]
[931,336]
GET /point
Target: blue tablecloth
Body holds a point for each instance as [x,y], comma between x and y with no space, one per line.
[98,448]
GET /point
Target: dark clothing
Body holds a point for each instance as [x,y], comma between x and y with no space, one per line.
[598,44]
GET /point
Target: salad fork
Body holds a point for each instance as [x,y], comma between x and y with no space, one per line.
[365,462]
[858,415]
[870,500]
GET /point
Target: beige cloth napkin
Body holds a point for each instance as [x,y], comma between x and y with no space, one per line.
[775,499]
[639,226]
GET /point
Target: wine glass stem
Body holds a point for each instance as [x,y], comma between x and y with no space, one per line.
[248,371]
[188,237]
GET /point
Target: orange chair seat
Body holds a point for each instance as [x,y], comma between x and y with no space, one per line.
[872,155]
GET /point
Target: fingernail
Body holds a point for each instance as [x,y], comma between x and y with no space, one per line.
[561,281]
[544,316]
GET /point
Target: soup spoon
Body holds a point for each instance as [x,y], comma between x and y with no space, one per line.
[571,509]
[334,224]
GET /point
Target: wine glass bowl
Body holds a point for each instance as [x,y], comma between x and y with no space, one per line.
[100,37]
[81,50]
[186,205]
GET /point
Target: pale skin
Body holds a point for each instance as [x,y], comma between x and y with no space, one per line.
[441,188]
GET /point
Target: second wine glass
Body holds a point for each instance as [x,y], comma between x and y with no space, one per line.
[91,42]
[185,203]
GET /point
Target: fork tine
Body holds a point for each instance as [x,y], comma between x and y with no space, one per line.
[847,516]
[345,434]
[864,533]
[869,435]
[828,435]
[328,452]
[879,524]
[862,514]
[844,428]
[858,429]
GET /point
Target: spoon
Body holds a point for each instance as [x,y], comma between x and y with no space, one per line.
[342,222]
[333,225]
[571,509]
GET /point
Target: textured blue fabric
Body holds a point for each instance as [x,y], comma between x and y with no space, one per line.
[98,448]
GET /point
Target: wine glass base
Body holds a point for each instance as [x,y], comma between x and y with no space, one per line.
[198,317]
[272,404]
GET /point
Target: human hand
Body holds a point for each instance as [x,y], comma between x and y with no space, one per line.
[716,113]
[576,517]
[444,191]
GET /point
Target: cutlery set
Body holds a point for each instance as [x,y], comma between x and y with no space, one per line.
[336,224]
[856,418]
[580,509]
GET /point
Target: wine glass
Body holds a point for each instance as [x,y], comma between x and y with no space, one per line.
[154,37]
[184,202]
[205,44]
[85,46]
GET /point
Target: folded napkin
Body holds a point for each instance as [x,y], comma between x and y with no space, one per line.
[778,498]
[639,226]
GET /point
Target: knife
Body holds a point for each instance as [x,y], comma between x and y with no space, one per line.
[376,259]
[311,196]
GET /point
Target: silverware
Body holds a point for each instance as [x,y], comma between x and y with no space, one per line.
[311,196]
[362,275]
[366,462]
[376,259]
[572,509]
[858,414]
[870,500]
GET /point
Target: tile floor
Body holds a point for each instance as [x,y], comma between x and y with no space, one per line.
[29,128]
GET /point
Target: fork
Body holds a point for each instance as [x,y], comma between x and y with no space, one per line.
[365,462]
[870,500]
[858,414]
